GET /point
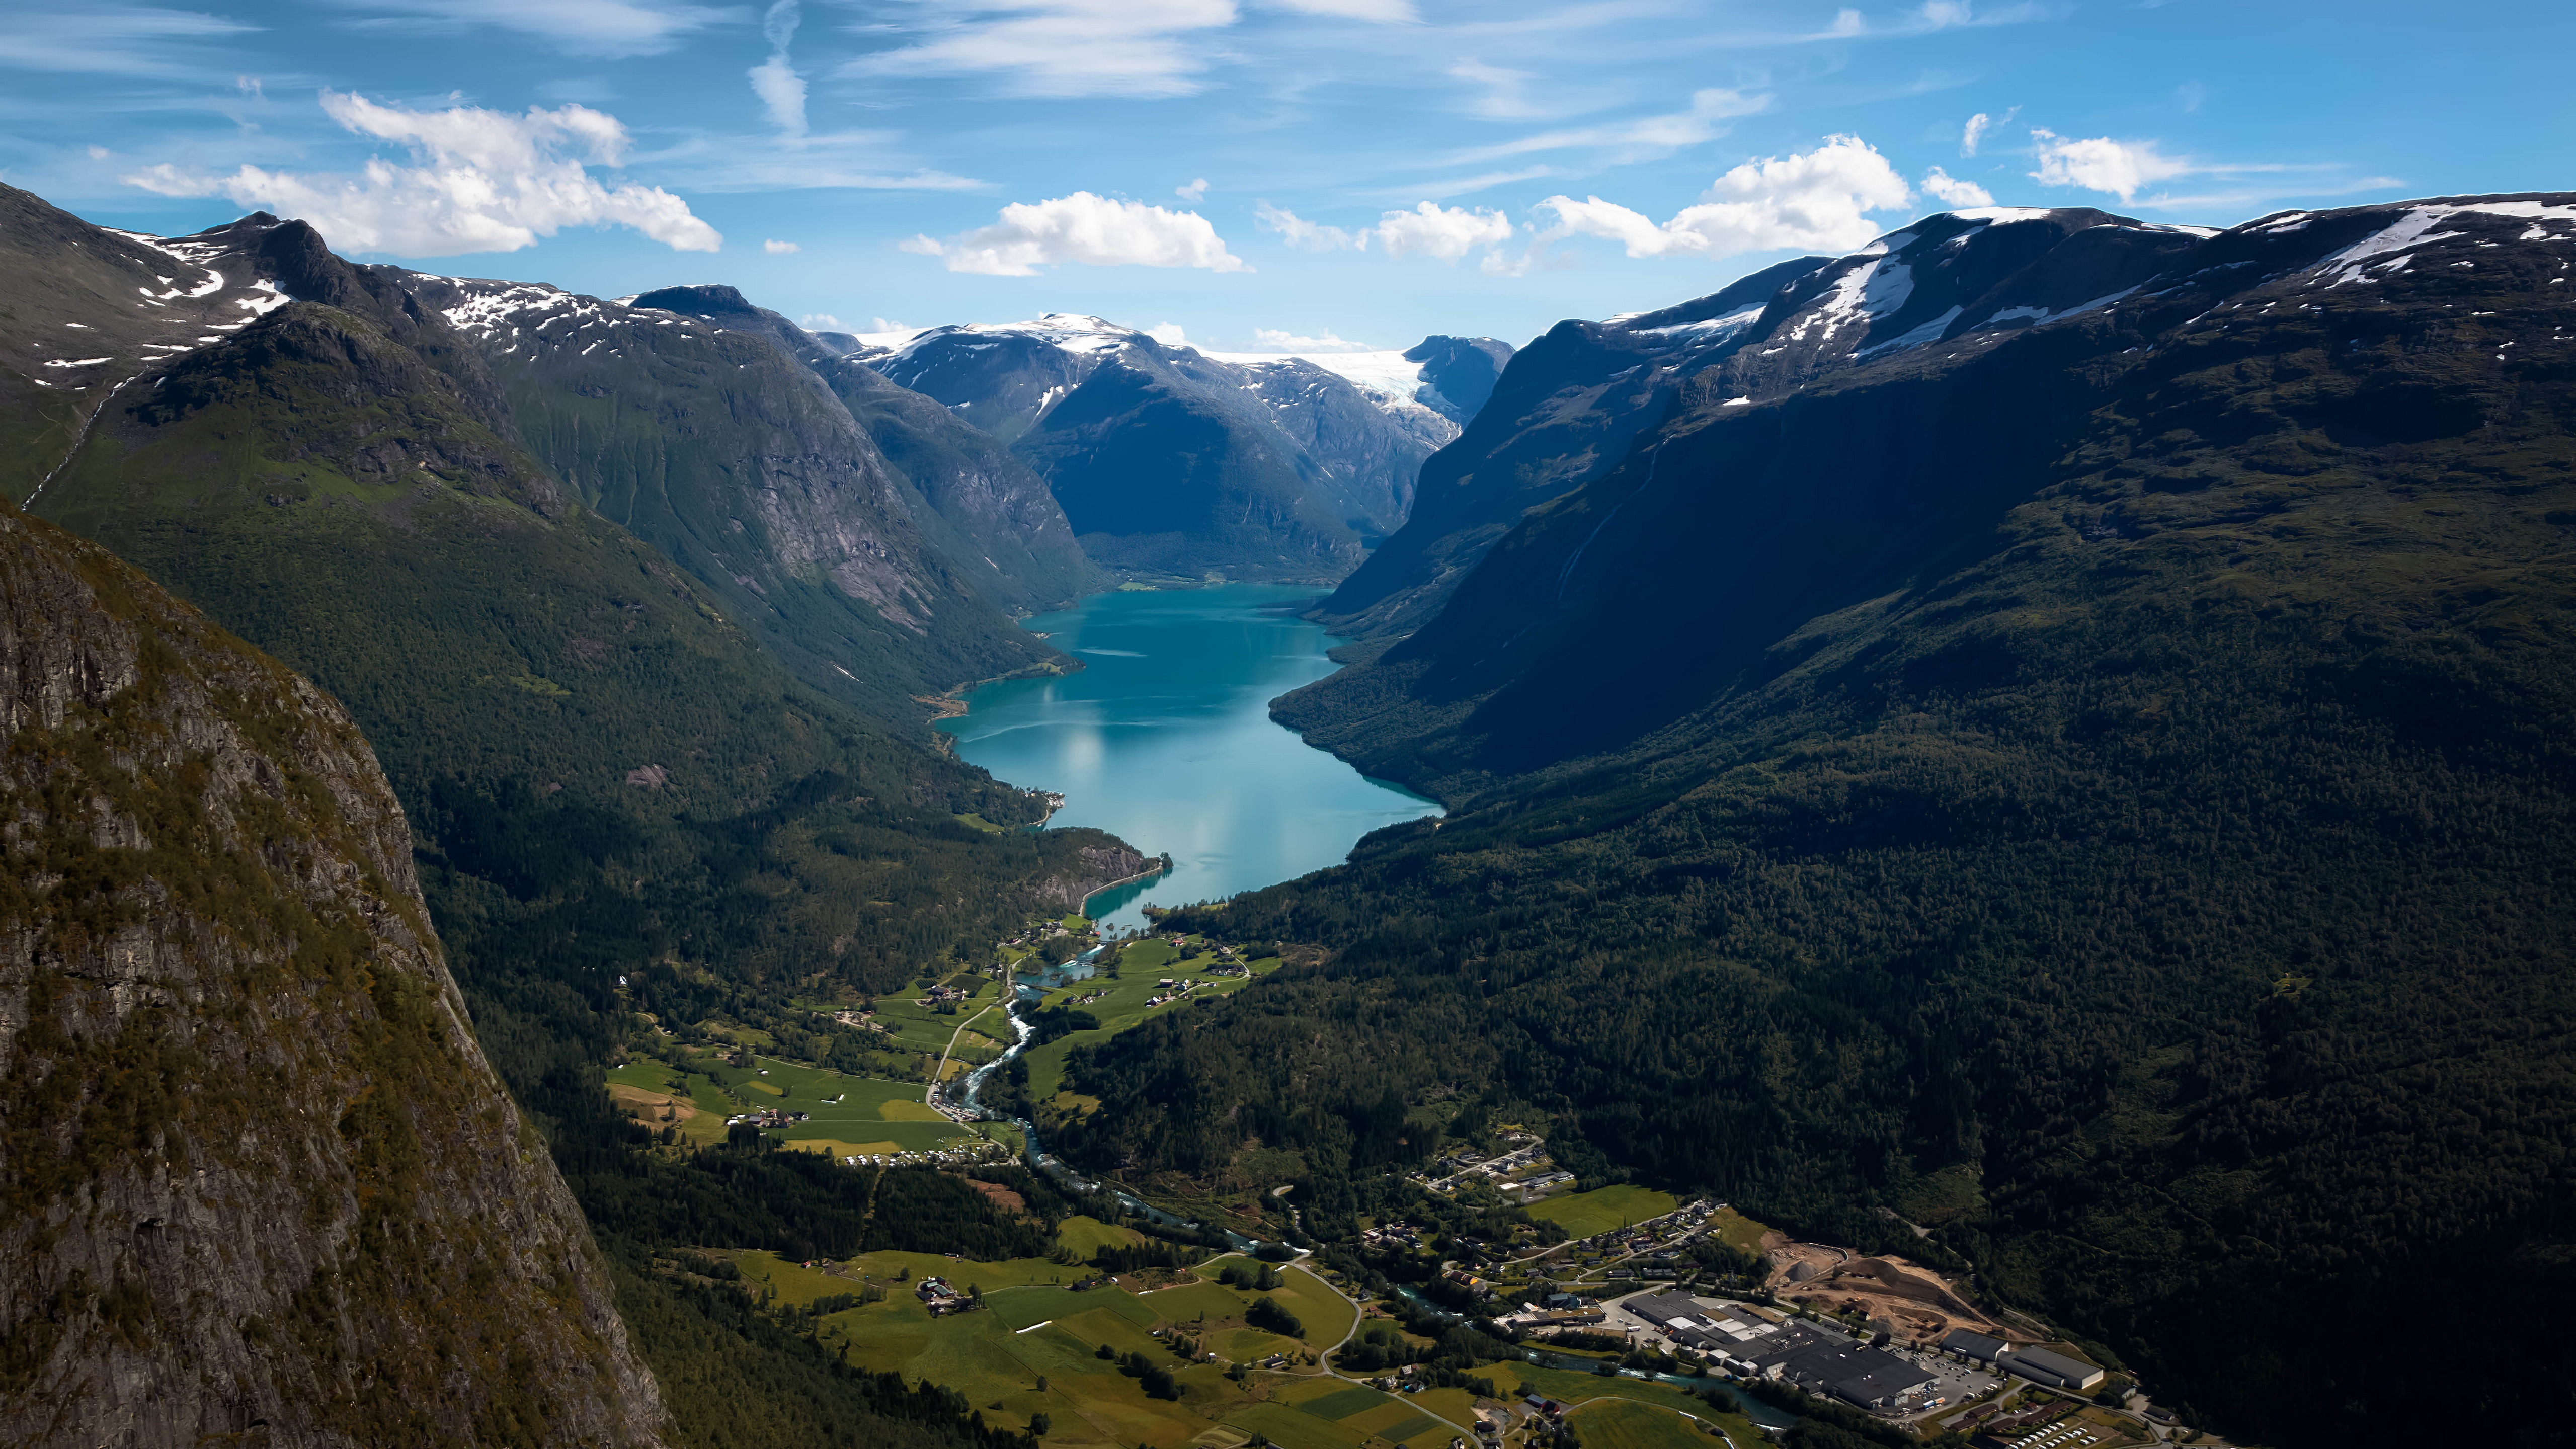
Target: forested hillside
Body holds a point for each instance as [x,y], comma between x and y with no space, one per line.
[2091,780]
[623,810]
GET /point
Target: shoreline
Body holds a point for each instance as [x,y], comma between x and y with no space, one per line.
[1085,907]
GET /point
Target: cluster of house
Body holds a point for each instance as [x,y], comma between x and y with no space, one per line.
[942,1298]
[2038,1365]
[944,992]
[1526,1151]
[766,1117]
[1391,1235]
[1171,988]
[979,1150]
[1553,1314]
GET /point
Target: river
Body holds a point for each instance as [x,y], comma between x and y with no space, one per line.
[1164,739]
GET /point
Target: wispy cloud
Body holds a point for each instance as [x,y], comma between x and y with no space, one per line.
[1506,92]
[123,40]
[1637,138]
[486,181]
[1464,185]
[1094,231]
[607,28]
[1193,193]
[1057,48]
[774,80]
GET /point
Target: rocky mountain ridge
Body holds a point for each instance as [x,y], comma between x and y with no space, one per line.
[1172,459]
[262,1185]
[719,446]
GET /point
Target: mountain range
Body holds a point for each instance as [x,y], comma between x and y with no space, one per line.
[2048,729]
[2039,745]
[1174,462]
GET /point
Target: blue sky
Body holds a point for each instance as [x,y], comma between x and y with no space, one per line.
[1258,175]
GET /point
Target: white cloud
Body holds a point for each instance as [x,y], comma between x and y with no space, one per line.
[1950,191]
[2102,164]
[1974,132]
[1060,48]
[1980,126]
[1446,232]
[1195,191]
[888,324]
[1169,334]
[489,181]
[1272,339]
[609,28]
[823,320]
[780,248]
[1301,233]
[775,81]
[2189,95]
[130,40]
[1928,17]
[1385,12]
[1506,91]
[1095,231]
[1646,136]
[1814,202]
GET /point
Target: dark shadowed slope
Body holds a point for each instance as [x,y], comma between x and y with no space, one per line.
[259,1180]
[2091,776]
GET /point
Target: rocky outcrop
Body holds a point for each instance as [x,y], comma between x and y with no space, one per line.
[258,1184]
[1103,866]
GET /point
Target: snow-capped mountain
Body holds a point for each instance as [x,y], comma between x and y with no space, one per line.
[709,438]
[1568,404]
[1170,459]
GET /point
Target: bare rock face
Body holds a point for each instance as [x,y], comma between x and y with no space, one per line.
[1103,866]
[257,1183]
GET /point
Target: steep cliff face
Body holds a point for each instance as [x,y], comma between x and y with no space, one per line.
[708,441]
[256,1178]
[977,503]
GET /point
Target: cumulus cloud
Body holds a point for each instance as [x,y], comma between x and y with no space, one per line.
[823,320]
[1195,191]
[1446,232]
[780,248]
[1301,233]
[1169,334]
[1950,191]
[1096,231]
[1060,48]
[1814,202]
[486,181]
[1272,339]
[775,81]
[2102,164]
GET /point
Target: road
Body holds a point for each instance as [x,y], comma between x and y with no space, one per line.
[930,1094]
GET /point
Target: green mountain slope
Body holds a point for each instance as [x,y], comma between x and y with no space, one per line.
[2097,787]
[260,1183]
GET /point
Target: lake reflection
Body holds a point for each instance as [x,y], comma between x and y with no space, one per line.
[1165,740]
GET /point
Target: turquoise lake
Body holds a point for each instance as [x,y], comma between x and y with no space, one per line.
[1164,739]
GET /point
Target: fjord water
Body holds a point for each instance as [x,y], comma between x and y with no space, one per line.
[1165,740]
